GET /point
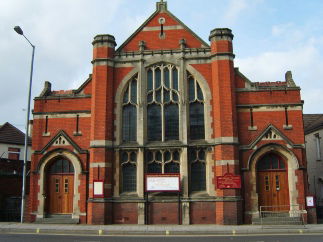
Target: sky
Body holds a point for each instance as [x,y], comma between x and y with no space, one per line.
[270,38]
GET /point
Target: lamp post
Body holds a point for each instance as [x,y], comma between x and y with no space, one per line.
[23,193]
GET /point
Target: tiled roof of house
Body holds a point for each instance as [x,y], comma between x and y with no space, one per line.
[9,134]
[312,122]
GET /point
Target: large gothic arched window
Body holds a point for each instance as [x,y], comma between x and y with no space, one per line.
[129,112]
[162,103]
[196,113]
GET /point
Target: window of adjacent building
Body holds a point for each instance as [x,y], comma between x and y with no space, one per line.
[13,153]
[318,148]
[129,112]
[162,103]
[129,171]
[198,169]
[196,113]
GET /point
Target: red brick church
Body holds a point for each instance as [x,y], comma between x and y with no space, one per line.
[166,102]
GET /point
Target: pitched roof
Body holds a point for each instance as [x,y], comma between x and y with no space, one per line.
[312,122]
[149,32]
[9,134]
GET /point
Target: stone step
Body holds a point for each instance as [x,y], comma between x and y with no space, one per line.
[278,221]
[57,220]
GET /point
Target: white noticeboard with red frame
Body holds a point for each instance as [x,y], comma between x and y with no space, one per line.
[162,183]
[98,186]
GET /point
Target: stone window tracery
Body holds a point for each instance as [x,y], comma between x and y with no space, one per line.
[162,103]
[129,171]
[163,161]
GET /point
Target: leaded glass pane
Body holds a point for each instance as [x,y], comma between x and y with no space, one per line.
[191,88]
[175,96]
[166,77]
[158,156]
[61,166]
[154,123]
[65,166]
[154,168]
[166,96]
[171,122]
[129,123]
[158,96]
[175,78]
[157,78]
[150,97]
[167,156]
[171,167]
[197,121]
[199,93]
[126,96]
[129,177]
[134,91]
[198,179]
[133,156]
[150,80]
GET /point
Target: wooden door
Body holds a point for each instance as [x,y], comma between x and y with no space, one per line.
[60,193]
[272,183]
[273,190]
[60,188]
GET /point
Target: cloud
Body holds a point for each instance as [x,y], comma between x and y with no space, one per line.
[305,63]
[62,32]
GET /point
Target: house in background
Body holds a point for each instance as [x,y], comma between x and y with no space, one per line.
[12,142]
[313,128]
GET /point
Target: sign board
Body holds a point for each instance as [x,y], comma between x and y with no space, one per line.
[310,202]
[228,180]
[98,188]
[162,183]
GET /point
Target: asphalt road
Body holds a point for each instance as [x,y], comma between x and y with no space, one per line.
[73,238]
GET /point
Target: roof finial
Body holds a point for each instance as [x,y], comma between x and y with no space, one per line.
[161,5]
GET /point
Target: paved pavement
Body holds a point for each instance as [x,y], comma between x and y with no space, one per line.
[9,227]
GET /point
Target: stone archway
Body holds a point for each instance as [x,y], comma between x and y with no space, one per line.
[292,164]
[42,180]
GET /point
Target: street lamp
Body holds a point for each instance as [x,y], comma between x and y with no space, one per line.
[23,193]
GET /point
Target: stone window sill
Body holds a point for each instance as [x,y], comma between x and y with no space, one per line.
[288,127]
[252,128]
[46,134]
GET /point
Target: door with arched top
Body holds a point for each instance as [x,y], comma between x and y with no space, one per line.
[60,187]
[272,182]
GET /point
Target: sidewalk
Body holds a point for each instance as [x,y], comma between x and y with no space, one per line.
[7,227]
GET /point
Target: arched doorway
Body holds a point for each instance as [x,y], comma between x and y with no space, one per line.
[272,182]
[60,187]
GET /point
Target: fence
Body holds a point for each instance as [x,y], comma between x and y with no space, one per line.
[282,215]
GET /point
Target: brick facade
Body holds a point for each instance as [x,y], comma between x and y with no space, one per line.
[243,121]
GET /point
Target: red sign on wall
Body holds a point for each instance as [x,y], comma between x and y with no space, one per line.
[228,181]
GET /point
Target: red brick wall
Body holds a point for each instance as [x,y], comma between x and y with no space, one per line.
[125,213]
[202,213]
[163,213]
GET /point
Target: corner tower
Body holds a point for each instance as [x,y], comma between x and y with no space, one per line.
[224,124]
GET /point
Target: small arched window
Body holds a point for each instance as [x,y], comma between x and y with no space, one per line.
[129,171]
[129,112]
[61,165]
[196,113]
[198,169]
[271,161]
